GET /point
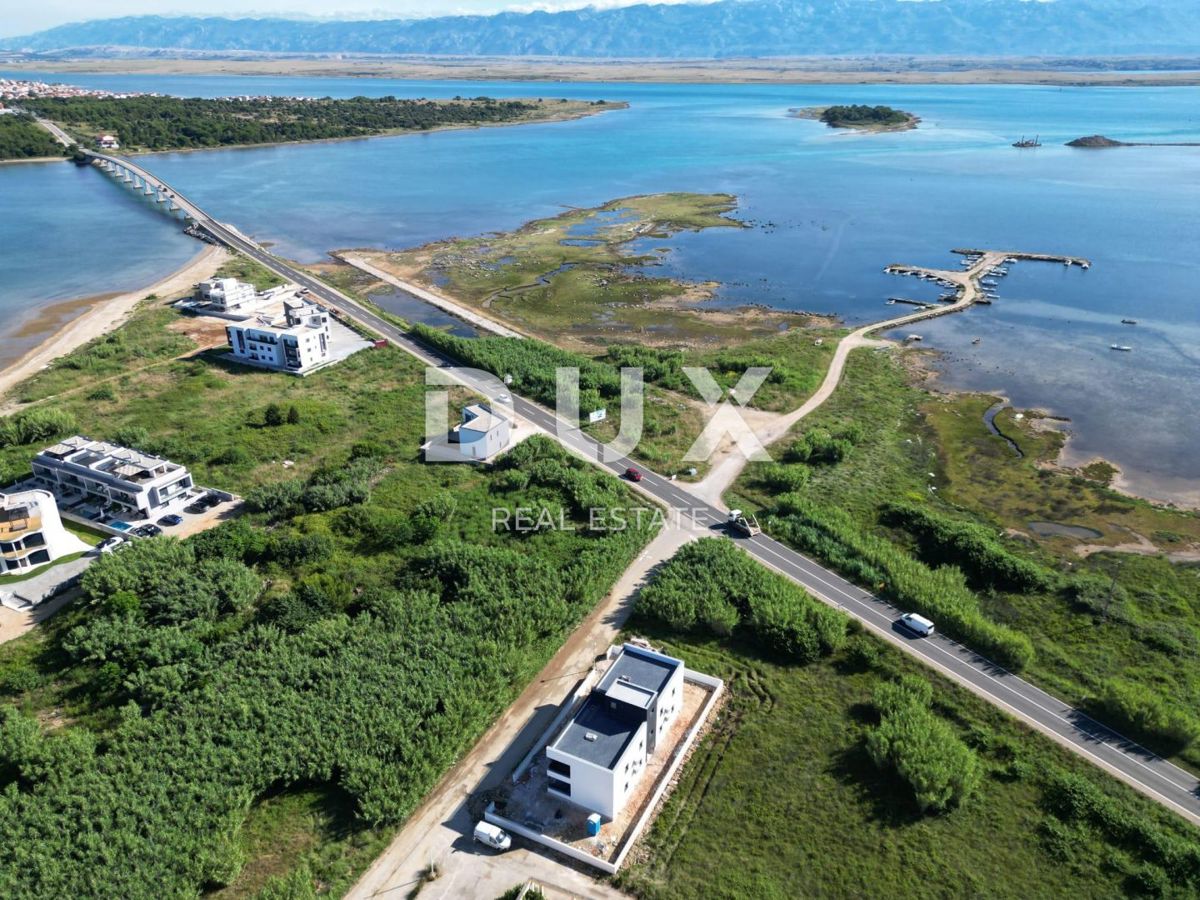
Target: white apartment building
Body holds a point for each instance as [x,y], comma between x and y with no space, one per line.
[31,532]
[227,294]
[298,342]
[599,757]
[123,481]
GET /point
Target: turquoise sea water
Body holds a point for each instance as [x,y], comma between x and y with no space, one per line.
[828,210]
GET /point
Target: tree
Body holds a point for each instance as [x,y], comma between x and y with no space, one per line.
[273,416]
[293,416]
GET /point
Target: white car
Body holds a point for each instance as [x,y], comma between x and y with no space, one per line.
[492,836]
[108,545]
[918,625]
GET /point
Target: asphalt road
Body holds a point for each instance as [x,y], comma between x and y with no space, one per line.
[1155,777]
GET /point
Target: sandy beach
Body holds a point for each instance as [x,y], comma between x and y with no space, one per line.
[73,323]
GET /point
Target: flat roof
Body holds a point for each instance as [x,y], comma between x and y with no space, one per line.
[611,733]
[643,668]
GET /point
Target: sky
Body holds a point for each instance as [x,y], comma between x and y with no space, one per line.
[20,18]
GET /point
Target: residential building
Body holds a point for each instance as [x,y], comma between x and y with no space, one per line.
[297,342]
[125,482]
[482,433]
[599,757]
[31,531]
[227,294]
[108,142]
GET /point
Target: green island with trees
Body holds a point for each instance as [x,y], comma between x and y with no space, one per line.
[859,117]
[21,137]
[146,123]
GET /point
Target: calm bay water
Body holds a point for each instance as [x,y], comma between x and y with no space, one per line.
[828,210]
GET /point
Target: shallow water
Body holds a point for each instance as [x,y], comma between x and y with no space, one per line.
[827,211]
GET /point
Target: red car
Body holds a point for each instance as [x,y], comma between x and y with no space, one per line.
[633,474]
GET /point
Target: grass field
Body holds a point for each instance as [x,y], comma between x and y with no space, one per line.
[1138,619]
[586,278]
[781,800]
[131,386]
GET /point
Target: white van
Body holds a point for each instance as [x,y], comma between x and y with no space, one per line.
[918,625]
[493,836]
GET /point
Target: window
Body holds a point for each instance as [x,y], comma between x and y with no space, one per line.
[559,768]
[559,787]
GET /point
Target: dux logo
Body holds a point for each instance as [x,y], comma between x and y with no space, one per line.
[725,421]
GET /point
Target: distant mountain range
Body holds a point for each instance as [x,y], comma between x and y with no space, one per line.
[728,28]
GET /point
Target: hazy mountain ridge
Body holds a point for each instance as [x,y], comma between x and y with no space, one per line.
[730,28]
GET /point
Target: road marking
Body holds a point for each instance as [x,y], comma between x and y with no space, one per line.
[794,565]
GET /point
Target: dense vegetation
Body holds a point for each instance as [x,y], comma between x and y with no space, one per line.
[940,593]
[165,123]
[364,646]
[861,116]
[711,587]
[23,138]
[973,547]
[920,747]
[869,777]
[934,512]
[298,675]
[531,364]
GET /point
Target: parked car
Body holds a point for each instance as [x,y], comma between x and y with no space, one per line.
[147,531]
[492,836]
[172,519]
[633,474]
[108,545]
[196,507]
[918,625]
[210,500]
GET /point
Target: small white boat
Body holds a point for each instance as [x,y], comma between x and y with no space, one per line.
[914,338]
[1124,348]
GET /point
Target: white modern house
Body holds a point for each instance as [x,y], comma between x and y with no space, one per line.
[79,470]
[108,142]
[600,755]
[227,294]
[297,342]
[31,532]
[482,433]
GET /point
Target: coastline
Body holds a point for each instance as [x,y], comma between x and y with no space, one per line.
[784,70]
[65,331]
[814,113]
[609,106]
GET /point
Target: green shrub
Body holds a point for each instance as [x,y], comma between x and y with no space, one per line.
[712,586]
[40,424]
[1141,713]
[922,749]
[941,594]
[974,548]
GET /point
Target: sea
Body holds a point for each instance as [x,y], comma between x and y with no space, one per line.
[827,210]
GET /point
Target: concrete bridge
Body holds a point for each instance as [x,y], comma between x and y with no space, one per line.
[1157,778]
[142,182]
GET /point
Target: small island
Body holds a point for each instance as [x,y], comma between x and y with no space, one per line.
[859,117]
[1100,141]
